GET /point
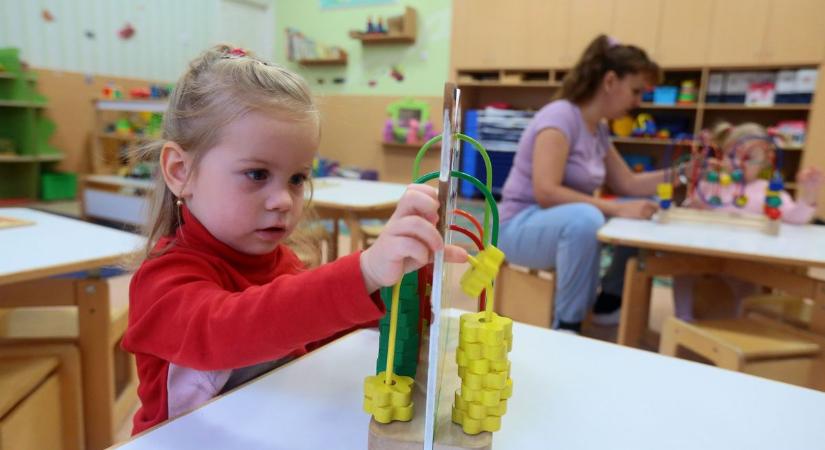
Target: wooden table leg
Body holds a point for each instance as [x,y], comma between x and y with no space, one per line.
[635,304]
[336,233]
[356,235]
[96,361]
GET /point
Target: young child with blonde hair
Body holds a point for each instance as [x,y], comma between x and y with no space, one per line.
[745,147]
[219,298]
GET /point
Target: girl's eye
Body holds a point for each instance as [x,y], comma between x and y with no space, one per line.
[257,174]
[298,179]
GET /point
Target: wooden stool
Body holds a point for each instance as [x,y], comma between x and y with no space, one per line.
[110,395]
[526,295]
[33,412]
[744,345]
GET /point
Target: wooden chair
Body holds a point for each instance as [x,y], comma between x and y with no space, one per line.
[795,311]
[109,375]
[744,345]
[526,295]
[35,407]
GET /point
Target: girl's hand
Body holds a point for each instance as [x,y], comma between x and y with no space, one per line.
[636,209]
[810,180]
[408,241]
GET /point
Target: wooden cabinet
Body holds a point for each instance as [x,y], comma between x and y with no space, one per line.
[637,22]
[795,32]
[587,19]
[737,28]
[474,33]
[814,156]
[545,33]
[684,31]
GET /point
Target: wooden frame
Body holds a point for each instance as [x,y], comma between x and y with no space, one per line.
[745,220]
[96,339]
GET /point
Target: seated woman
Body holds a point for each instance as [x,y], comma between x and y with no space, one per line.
[550,214]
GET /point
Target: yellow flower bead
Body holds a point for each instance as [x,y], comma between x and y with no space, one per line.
[386,402]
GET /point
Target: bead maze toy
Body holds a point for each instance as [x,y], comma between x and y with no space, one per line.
[442,383]
[716,179]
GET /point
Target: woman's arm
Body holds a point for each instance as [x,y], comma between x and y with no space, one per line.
[624,182]
[550,152]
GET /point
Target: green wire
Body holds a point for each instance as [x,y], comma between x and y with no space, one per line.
[480,148]
[491,203]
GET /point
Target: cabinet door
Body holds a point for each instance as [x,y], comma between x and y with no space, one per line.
[587,19]
[814,154]
[545,32]
[737,32]
[474,35]
[795,32]
[683,33]
[636,22]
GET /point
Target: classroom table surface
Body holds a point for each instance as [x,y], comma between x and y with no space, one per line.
[798,245]
[355,195]
[569,392]
[56,245]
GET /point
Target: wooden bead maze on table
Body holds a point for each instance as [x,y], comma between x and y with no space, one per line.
[716,179]
[459,371]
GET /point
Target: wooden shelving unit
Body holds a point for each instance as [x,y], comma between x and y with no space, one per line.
[400,30]
[532,88]
[112,151]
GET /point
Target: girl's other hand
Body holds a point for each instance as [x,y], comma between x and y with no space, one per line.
[810,180]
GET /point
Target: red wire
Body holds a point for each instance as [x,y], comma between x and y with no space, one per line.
[482,299]
[472,219]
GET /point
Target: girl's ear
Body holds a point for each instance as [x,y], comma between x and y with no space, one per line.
[175,165]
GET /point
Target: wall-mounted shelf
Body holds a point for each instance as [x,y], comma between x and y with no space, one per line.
[324,62]
[22,104]
[688,106]
[400,30]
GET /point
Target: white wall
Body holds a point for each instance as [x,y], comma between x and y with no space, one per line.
[168,33]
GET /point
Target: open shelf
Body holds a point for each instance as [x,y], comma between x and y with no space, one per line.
[400,30]
[686,106]
[743,107]
[641,140]
[13,76]
[29,158]
[22,104]
[323,62]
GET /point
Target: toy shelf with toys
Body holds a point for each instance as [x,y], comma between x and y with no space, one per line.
[27,160]
[121,124]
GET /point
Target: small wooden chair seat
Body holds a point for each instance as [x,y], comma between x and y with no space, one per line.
[526,295]
[743,345]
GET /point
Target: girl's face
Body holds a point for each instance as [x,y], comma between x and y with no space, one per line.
[752,157]
[623,94]
[248,190]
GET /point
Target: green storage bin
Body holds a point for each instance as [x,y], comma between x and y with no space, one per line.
[58,186]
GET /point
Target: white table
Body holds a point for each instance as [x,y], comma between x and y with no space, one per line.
[55,245]
[352,201]
[569,393]
[694,248]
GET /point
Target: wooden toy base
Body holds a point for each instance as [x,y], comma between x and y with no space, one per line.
[448,436]
[745,220]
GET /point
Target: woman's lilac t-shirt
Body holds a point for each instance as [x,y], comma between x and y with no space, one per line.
[584,171]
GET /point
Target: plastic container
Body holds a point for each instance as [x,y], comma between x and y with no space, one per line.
[58,186]
[665,95]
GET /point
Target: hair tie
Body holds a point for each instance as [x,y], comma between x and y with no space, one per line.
[236,52]
[612,42]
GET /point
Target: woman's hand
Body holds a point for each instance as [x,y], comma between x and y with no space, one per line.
[408,241]
[810,180]
[635,209]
